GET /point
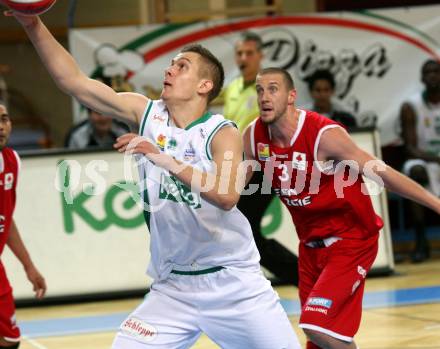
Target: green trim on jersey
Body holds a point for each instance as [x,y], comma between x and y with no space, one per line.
[144,121]
[197,272]
[208,142]
[201,119]
[146,201]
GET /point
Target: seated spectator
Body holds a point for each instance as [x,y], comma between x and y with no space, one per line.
[420,120]
[96,131]
[322,88]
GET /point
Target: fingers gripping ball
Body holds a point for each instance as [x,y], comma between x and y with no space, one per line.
[29,7]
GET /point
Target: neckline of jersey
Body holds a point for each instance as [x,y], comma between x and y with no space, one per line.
[200,120]
[301,121]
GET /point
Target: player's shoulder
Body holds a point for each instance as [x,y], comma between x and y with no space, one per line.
[11,156]
[314,120]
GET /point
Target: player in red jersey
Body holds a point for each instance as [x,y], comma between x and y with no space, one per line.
[9,235]
[305,156]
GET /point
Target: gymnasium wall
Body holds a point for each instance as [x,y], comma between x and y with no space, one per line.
[96,244]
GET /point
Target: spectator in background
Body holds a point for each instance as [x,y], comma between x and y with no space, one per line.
[97,131]
[10,236]
[240,106]
[420,120]
[322,88]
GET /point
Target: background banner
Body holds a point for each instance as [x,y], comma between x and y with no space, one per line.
[375,56]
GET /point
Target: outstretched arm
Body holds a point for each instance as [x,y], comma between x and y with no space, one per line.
[70,79]
[336,144]
[15,243]
[221,188]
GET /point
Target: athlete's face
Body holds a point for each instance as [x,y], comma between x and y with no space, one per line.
[273,97]
[431,76]
[182,78]
[248,59]
[322,93]
[5,126]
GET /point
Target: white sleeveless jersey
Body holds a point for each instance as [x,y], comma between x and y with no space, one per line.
[428,124]
[185,229]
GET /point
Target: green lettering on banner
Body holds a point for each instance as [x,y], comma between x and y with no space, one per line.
[74,205]
[274,212]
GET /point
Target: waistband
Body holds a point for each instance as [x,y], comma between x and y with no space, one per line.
[323,242]
[197,272]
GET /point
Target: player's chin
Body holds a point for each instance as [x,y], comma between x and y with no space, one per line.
[267,118]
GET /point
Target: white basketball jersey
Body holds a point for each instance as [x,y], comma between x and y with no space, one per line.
[185,229]
[428,124]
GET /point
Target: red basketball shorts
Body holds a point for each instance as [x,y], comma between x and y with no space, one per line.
[8,327]
[332,285]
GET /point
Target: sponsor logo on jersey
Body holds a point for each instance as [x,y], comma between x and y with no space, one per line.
[319,310]
[263,151]
[158,118]
[172,144]
[321,302]
[139,330]
[306,201]
[189,154]
[202,133]
[362,271]
[355,286]
[285,191]
[173,189]
[160,141]
[8,181]
[280,156]
[2,226]
[299,161]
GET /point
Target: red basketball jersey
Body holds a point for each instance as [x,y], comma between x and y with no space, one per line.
[320,207]
[9,165]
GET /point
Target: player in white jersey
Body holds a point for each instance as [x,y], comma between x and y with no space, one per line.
[420,118]
[204,260]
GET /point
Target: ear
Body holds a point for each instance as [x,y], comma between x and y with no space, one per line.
[291,98]
[205,86]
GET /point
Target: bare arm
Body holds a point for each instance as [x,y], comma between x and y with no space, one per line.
[15,243]
[336,144]
[70,79]
[408,121]
[218,188]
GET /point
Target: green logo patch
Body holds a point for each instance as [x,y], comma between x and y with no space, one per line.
[173,189]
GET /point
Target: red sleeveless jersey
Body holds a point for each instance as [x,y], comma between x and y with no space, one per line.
[320,207]
[9,165]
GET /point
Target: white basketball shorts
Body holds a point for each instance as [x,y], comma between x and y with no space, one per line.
[236,309]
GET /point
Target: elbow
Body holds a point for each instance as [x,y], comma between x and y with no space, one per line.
[228,202]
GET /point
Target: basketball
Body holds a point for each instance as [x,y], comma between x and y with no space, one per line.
[29,7]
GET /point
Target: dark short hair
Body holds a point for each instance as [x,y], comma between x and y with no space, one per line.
[321,74]
[429,62]
[212,69]
[283,72]
[251,36]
